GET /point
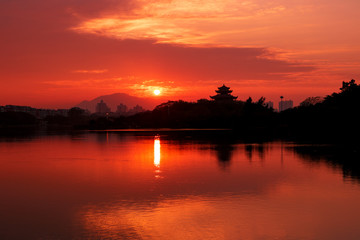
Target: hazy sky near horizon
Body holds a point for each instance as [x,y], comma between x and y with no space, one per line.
[56,53]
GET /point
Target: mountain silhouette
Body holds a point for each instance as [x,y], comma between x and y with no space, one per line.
[113,100]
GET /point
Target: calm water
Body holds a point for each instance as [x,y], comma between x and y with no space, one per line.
[113,185]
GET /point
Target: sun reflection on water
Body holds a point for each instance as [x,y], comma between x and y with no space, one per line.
[157,151]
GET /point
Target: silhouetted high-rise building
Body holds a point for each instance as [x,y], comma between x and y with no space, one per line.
[102,108]
[121,109]
[136,109]
[283,105]
[223,94]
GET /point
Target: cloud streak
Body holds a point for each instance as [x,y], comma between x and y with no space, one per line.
[192,22]
[95,71]
[294,26]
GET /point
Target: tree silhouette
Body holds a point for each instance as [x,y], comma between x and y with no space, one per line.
[76,112]
[310,101]
[346,86]
[261,101]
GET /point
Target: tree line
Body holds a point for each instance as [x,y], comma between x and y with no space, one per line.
[336,115]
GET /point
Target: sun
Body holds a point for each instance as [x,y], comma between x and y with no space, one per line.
[157,92]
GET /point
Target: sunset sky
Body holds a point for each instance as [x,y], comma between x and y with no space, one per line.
[56,53]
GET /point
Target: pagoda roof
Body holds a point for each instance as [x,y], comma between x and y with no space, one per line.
[223,90]
[223,93]
[223,97]
[223,87]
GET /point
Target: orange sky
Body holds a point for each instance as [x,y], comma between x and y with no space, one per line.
[57,53]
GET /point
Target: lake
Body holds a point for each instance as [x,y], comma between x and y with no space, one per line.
[175,185]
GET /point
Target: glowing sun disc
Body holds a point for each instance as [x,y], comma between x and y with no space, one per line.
[157,92]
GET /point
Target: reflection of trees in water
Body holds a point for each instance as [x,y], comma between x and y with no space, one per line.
[224,153]
[259,149]
[224,150]
[346,158]
[221,142]
[249,149]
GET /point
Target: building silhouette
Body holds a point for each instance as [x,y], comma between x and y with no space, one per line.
[135,110]
[223,94]
[102,108]
[121,109]
[37,112]
[283,105]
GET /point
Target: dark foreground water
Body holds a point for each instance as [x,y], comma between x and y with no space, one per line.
[114,185]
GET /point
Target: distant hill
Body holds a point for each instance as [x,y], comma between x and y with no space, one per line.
[113,100]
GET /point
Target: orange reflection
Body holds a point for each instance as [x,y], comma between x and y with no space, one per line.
[157,151]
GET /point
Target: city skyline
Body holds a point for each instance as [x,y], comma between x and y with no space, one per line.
[101,106]
[121,108]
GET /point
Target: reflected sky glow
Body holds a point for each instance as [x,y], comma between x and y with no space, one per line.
[110,186]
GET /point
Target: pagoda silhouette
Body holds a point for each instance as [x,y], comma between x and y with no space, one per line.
[223,94]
